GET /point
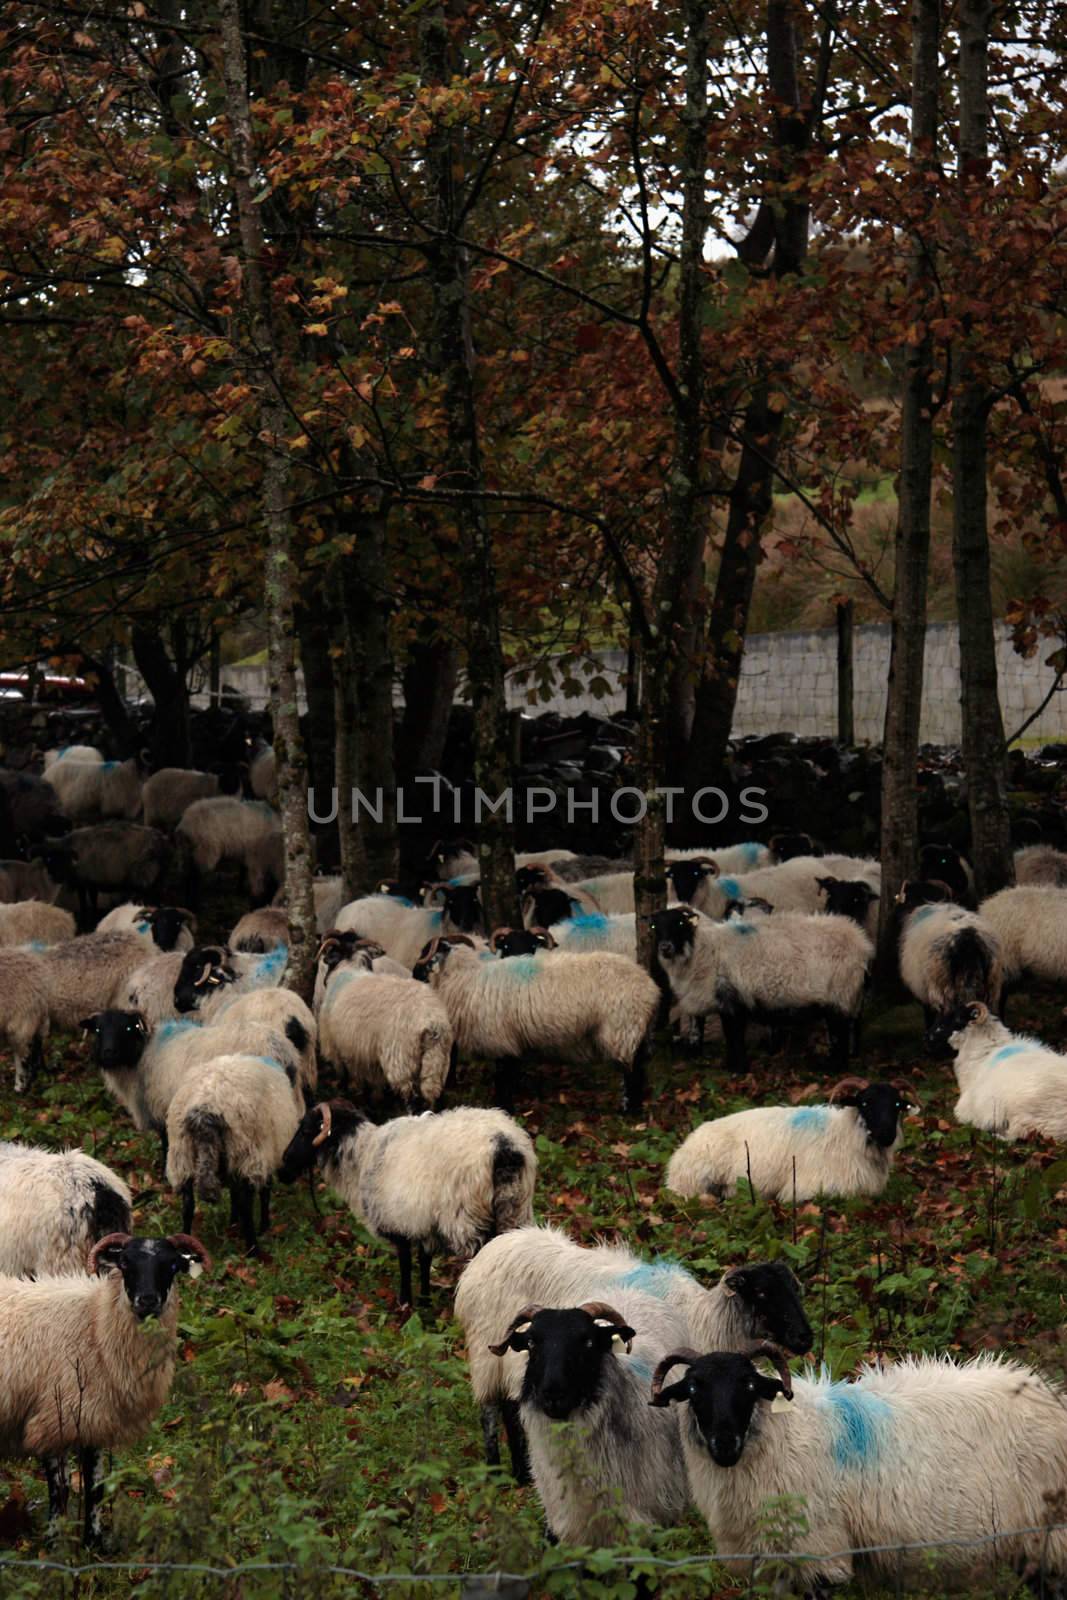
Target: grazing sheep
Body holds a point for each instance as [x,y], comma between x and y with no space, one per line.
[228,829]
[911,1452]
[541,1265]
[600,1456]
[31,922]
[1031,923]
[88,789]
[797,1152]
[53,1209]
[448,1180]
[259,931]
[81,1367]
[1011,1085]
[26,880]
[556,1006]
[381,1032]
[171,926]
[772,969]
[110,858]
[230,1120]
[1041,864]
[53,988]
[168,794]
[949,955]
[792,886]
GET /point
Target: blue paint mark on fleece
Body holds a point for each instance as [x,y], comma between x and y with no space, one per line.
[168,1030]
[142,927]
[810,1119]
[109,766]
[35,946]
[730,888]
[518,970]
[859,1424]
[922,913]
[751,853]
[651,1277]
[435,920]
[269,1061]
[640,1369]
[1007,1050]
[737,926]
[589,928]
[271,966]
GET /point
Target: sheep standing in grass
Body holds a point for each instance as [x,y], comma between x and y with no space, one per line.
[228,829]
[1009,1084]
[230,1121]
[385,1033]
[88,1361]
[797,1152]
[54,1206]
[446,1180]
[97,788]
[1031,923]
[556,1005]
[108,858]
[949,955]
[793,885]
[771,969]
[911,1452]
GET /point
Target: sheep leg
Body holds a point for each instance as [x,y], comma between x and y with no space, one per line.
[516,1437]
[733,1031]
[453,1066]
[55,1472]
[425,1262]
[246,1215]
[188,1205]
[235,1215]
[92,1496]
[839,1029]
[403,1253]
[164,1151]
[264,1207]
[695,1036]
[635,1082]
[491,1435]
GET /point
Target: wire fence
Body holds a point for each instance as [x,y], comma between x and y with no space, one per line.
[599,1563]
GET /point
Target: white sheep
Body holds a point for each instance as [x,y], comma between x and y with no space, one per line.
[230,1120]
[596,1007]
[446,1180]
[88,1361]
[543,1266]
[170,926]
[169,793]
[282,1011]
[1011,1085]
[229,829]
[54,1206]
[765,969]
[97,788]
[340,950]
[32,922]
[211,975]
[260,930]
[402,929]
[1031,923]
[796,1152]
[149,988]
[789,886]
[949,955]
[914,1452]
[383,1032]
[73,752]
[1041,864]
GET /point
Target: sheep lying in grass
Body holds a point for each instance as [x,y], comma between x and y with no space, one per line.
[797,1152]
[1009,1084]
[917,1451]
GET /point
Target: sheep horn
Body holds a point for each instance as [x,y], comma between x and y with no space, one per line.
[779,1359]
[198,983]
[323,1108]
[188,1241]
[848,1083]
[601,1312]
[430,949]
[978,1011]
[109,1239]
[328,943]
[703,861]
[435,889]
[459,938]
[905,1089]
[516,1322]
[684,1354]
[185,914]
[371,946]
[550,943]
[495,935]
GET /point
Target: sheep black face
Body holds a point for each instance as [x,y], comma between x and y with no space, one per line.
[550,906]
[723,1392]
[319,1132]
[149,1267]
[521,942]
[674,933]
[687,876]
[463,908]
[202,972]
[772,1299]
[787,846]
[848,898]
[119,1038]
[566,1351]
[167,924]
[443,855]
[923,892]
[944,1037]
[529,878]
[942,862]
[880,1107]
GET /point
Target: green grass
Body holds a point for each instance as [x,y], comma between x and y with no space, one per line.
[310,1421]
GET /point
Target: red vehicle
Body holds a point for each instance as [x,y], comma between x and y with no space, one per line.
[47,688]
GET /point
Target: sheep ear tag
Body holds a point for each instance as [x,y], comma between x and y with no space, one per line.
[627,1344]
[779,1403]
[195,1268]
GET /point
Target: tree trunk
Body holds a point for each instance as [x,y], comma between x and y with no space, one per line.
[984,754]
[116,712]
[783,225]
[365,596]
[846,724]
[900,794]
[169,741]
[453,358]
[346,766]
[313,630]
[430,678]
[280,579]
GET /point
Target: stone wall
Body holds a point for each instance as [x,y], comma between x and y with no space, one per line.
[789,681]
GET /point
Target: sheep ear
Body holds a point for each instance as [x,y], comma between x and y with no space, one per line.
[674,1391]
[624,1335]
[90,1024]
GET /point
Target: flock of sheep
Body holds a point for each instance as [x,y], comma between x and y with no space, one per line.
[200,1044]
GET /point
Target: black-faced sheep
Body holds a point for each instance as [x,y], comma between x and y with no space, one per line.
[54,1206]
[1009,1084]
